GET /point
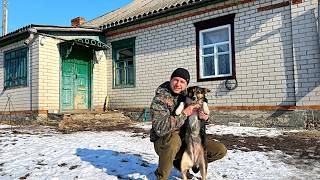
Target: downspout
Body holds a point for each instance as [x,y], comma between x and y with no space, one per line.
[28,43]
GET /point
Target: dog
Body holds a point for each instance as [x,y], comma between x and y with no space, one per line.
[194,155]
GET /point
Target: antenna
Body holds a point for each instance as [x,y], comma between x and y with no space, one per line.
[4,18]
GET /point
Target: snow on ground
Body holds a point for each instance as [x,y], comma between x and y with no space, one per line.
[235,130]
[124,155]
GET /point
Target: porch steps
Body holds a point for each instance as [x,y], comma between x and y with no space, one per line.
[94,121]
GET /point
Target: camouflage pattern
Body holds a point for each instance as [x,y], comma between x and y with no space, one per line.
[162,111]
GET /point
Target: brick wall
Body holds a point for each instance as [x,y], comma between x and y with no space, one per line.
[277,61]
[265,55]
[306,53]
[49,74]
[100,81]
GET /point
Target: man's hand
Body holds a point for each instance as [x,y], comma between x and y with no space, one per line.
[203,116]
[192,109]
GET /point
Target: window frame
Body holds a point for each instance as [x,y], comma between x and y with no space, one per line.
[5,69]
[116,47]
[209,26]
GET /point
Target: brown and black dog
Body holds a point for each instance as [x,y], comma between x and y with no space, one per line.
[194,155]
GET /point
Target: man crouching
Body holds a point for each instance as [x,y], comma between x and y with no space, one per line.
[168,129]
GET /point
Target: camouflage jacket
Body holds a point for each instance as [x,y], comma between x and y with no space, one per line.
[162,111]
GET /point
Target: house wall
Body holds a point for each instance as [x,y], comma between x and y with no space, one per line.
[44,68]
[50,76]
[276,52]
[20,97]
[100,83]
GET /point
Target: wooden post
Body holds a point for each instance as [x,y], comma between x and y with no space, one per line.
[4,18]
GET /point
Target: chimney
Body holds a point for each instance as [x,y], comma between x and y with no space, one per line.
[77,21]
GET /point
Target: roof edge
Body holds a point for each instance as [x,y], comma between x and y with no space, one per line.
[46,28]
[156,14]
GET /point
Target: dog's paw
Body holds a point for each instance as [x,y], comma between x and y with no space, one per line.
[206,108]
[180,109]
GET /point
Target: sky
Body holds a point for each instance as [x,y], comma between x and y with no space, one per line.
[41,153]
[56,12]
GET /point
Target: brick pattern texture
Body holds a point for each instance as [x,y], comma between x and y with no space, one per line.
[276,52]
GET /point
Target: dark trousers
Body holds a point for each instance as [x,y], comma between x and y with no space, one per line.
[170,148]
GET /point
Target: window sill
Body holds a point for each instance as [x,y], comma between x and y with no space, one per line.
[123,87]
[215,78]
[14,87]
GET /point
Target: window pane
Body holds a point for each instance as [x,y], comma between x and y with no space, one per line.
[7,56]
[208,66]
[208,50]
[224,64]
[119,79]
[130,75]
[223,48]
[215,36]
[13,54]
[125,54]
[119,65]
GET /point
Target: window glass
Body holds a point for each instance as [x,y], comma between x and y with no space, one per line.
[215,52]
[15,68]
[124,70]
[212,37]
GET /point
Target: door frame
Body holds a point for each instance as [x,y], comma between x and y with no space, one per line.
[63,49]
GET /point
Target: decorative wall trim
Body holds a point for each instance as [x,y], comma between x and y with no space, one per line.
[278,5]
[274,6]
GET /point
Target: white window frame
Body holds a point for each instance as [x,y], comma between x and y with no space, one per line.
[216,53]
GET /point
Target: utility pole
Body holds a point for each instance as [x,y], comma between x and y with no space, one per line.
[4,18]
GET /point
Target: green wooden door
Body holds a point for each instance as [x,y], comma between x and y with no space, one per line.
[67,85]
[75,84]
[81,85]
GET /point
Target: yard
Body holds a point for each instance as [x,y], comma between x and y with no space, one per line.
[125,152]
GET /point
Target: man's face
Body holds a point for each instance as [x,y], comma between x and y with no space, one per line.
[178,84]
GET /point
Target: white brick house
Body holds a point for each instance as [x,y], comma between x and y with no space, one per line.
[52,69]
[273,54]
[270,48]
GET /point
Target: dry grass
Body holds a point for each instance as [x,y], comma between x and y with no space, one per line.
[46,122]
[110,121]
[304,134]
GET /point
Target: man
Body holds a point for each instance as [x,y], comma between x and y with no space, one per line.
[167,130]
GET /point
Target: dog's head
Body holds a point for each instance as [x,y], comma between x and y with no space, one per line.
[197,93]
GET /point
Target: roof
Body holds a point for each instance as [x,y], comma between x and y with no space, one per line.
[49,28]
[45,28]
[35,28]
[142,9]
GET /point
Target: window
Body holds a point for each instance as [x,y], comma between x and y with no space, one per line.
[15,67]
[215,49]
[123,63]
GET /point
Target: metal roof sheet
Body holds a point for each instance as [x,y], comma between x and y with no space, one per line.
[139,9]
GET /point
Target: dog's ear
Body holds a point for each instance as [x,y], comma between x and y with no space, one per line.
[206,90]
[193,89]
[190,91]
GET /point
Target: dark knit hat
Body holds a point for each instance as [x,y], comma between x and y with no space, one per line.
[182,73]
